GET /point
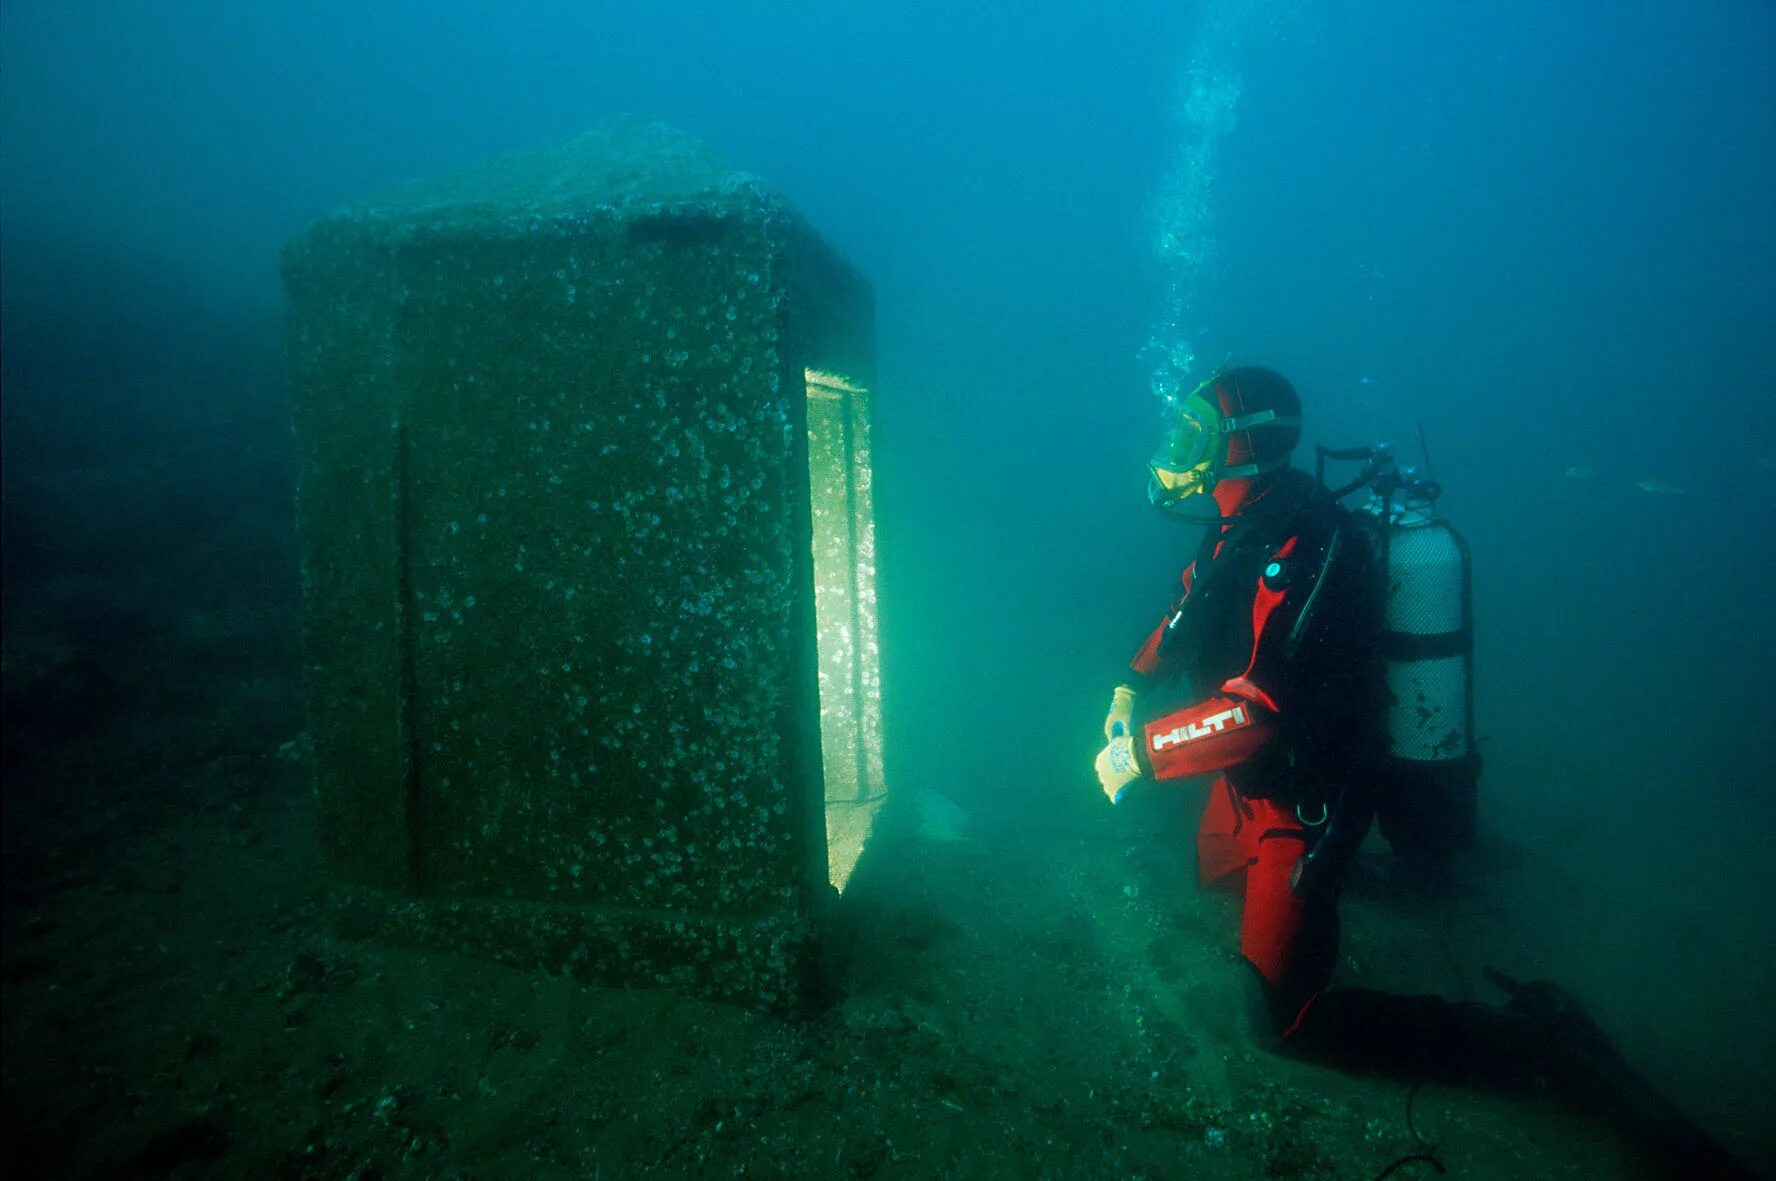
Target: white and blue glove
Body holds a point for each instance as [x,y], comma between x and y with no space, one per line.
[1120,720]
[1116,765]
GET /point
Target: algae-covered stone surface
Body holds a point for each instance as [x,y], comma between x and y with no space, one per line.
[554,506]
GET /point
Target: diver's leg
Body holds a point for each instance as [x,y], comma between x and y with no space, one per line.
[1290,941]
[1521,1048]
[1223,838]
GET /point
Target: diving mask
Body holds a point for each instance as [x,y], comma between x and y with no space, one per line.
[1195,455]
[1184,465]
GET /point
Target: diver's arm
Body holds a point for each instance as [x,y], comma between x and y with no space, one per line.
[1153,660]
[1209,736]
[1236,724]
[1149,666]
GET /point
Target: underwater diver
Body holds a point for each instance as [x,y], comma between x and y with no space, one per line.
[1265,673]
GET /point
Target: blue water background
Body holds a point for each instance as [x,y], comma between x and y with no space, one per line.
[1544,232]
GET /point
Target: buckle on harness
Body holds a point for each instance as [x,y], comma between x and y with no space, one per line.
[1317,821]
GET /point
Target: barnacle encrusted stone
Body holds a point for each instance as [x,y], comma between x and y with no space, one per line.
[554,508]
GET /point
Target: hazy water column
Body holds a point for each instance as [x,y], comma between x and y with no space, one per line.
[1207,105]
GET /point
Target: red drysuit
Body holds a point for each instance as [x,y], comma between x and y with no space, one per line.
[1279,667]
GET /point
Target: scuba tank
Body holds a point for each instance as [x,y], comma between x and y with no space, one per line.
[1428,770]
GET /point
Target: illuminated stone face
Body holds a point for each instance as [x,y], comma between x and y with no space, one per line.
[575,522]
[845,615]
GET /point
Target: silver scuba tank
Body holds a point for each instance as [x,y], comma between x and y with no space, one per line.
[1427,802]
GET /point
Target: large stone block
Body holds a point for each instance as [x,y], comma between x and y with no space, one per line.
[588,563]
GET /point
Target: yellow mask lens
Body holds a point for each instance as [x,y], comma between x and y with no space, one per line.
[1174,483]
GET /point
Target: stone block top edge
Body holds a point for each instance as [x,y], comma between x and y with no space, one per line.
[622,169]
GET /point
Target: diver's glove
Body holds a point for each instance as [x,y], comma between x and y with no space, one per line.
[1116,767]
[1120,720]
